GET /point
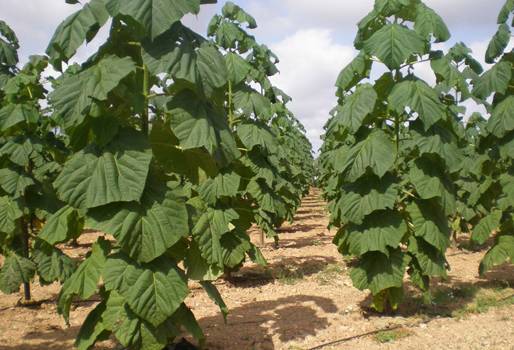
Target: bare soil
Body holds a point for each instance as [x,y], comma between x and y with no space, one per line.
[304,299]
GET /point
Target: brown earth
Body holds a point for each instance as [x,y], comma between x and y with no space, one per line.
[304,299]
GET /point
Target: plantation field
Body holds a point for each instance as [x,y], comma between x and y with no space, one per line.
[304,299]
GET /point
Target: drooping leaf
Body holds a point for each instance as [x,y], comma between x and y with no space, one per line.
[118,174]
[75,94]
[498,44]
[62,226]
[153,291]
[15,271]
[487,225]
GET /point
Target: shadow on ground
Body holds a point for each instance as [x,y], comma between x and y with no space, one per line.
[291,318]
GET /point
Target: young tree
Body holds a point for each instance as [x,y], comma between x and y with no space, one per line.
[496,193]
[391,149]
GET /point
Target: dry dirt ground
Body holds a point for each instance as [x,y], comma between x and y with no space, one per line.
[304,300]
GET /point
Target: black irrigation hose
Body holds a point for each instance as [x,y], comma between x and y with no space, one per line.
[344,340]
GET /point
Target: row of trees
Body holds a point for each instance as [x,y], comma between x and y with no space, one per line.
[400,166]
[170,143]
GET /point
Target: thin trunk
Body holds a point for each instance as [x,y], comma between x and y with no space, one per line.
[26,242]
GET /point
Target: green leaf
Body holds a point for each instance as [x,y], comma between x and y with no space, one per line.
[14,114]
[14,183]
[431,260]
[118,174]
[238,68]
[354,72]
[215,296]
[378,272]
[393,44]
[62,226]
[429,23]
[486,227]
[75,94]
[498,44]
[429,183]
[430,223]
[153,291]
[376,153]
[15,271]
[190,58]
[366,196]
[77,28]
[252,102]
[84,281]
[52,263]
[223,185]
[197,124]
[501,252]
[502,118]
[92,330]
[380,231]
[9,213]
[255,133]
[209,229]
[494,80]
[154,16]
[145,230]
[420,98]
[356,108]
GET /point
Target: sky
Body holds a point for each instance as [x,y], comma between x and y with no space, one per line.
[312,38]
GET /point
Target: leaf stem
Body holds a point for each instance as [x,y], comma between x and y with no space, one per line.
[230,109]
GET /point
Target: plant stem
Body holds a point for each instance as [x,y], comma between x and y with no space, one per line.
[230,110]
[25,238]
[146,83]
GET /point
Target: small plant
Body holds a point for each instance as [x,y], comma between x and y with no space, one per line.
[392,335]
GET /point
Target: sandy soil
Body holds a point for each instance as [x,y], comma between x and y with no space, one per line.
[304,300]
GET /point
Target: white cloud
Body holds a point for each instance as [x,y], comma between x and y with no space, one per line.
[310,61]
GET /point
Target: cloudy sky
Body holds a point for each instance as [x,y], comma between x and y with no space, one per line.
[313,39]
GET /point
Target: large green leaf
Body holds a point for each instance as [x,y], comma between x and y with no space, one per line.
[237,67]
[429,23]
[365,196]
[147,229]
[209,229]
[15,271]
[356,108]
[52,263]
[75,94]
[429,183]
[430,259]
[84,281]
[430,223]
[252,102]
[420,98]
[75,30]
[495,79]
[9,213]
[13,182]
[153,291]
[354,72]
[486,227]
[254,133]
[376,153]
[62,226]
[501,252]
[223,185]
[381,231]
[198,124]
[118,174]
[190,58]
[502,118]
[92,329]
[377,272]
[155,16]
[14,114]
[498,44]
[393,44]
